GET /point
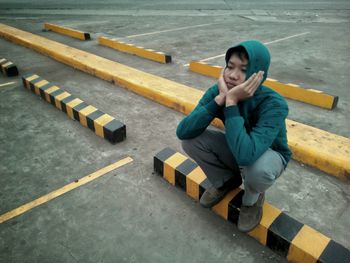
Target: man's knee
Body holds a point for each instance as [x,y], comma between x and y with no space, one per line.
[260,178]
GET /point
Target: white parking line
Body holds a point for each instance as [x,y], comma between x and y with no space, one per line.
[266,43]
[7,84]
[170,30]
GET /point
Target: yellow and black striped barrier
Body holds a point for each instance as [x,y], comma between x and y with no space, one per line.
[290,91]
[135,50]
[101,123]
[8,68]
[278,231]
[67,31]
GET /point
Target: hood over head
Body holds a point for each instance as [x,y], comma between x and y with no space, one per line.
[258,57]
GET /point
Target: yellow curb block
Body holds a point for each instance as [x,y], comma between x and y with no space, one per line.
[290,91]
[135,50]
[323,150]
[67,31]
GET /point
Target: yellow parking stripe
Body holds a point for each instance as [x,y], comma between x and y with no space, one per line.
[44,199]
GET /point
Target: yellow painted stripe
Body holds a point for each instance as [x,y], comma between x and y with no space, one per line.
[29,79]
[44,199]
[222,207]
[65,31]
[7,64]
[100,122]
[312,150]
[290,91]
[307,246]
[59,98]
[170,165]
[85,112]
[70,105]
[132,49]
[39,85]
[193,180]
[49,91]
[270,213]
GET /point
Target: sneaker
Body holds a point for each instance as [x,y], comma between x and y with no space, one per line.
[212,196]
[250,216]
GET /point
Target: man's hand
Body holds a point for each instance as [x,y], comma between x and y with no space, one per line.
[221,97]
[244,90]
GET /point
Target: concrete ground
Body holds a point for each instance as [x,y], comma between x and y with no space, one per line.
[130,214]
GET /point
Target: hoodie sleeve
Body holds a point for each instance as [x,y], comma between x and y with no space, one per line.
[199,119]
[248,147]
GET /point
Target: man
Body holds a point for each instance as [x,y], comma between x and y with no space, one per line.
[254,144]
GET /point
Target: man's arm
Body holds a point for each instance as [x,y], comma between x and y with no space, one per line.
[248,147]
[199,119]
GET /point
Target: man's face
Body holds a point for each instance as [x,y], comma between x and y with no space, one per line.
[235,71]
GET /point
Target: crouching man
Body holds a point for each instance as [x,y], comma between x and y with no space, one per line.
[254,145]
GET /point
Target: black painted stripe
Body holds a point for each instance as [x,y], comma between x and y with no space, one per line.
[91,117]
[78,108]
[233,207]
[204,186]
[54,94]
[281,233]
[334,253]
[87,36]
[167,59]
[114,131]
[160,158]
[32,82]
[43,88]
[65,101]
[12,71]
[182,171]
[24,81]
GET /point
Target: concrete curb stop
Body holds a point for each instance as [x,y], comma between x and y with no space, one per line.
[101,123]
[8,69]
[281,233]
[67,31]
[291,91]
[135,50]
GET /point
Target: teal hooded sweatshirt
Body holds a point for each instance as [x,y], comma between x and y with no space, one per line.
[253,125]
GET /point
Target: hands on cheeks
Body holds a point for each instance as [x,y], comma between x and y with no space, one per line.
[238,93]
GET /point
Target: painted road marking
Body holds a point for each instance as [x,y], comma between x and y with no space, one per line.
[69,187]
[266,43]
[7,84]
[169,30]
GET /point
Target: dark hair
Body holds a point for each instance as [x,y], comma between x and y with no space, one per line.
[240,51]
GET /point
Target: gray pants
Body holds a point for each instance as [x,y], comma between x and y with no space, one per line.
[212,154]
